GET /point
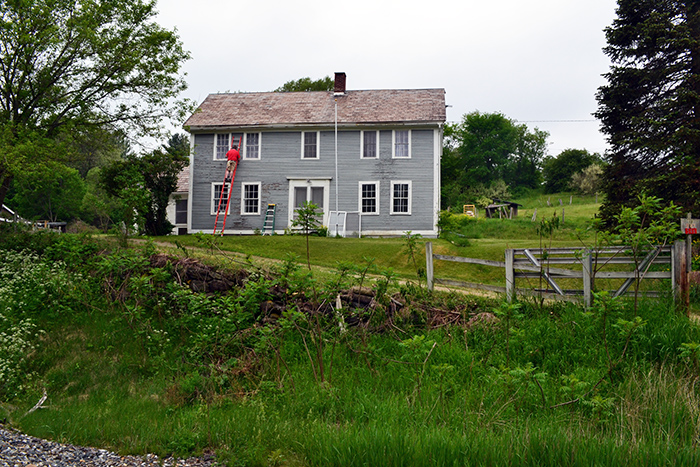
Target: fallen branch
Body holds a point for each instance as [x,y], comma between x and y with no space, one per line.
[38,404]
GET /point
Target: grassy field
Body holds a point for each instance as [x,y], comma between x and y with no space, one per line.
[133,360]
[477,238]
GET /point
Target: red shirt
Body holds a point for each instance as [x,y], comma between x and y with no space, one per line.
[233,155]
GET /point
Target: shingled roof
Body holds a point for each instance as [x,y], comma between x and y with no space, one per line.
[318,108]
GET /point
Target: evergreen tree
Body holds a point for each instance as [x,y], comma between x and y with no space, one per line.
[650,107]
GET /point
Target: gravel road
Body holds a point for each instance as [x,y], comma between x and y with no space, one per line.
[17,449]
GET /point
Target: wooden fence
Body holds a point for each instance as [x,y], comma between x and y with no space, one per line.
[585,266]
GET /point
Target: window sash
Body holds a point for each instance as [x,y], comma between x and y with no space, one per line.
[251,198]
[369,194]
[181,211]
[400,198]
[369,144]
[310,145]
[252,146]
[401,144]
[220,191]
[223,142]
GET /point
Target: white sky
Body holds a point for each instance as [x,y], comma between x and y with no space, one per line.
[536,61]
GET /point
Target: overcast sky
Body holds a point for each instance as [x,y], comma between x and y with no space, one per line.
[536,61]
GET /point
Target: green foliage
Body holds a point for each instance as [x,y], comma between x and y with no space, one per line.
[588,181]
[644,227]
[306,84]
[648,107]
[487,148]
[71,67]
[306,218]
[135,360]
[412,250]
[49,191]
[97,207]
[558,171]
[144,185]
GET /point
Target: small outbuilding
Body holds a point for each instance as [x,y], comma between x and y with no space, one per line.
[502,209]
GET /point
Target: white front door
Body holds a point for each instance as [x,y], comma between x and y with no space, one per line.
[313,191]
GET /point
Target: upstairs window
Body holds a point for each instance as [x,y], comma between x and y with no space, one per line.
[309,143]
[221,146]
[402,144]
[252,146]
[223,142]
[369,145]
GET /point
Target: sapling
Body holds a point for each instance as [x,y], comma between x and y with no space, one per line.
[690,351]
[545,231]
[411,249]
[508,312]
[307,219]
[416,347]
[644,227]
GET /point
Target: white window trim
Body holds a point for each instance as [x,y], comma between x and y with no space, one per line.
[362,144]
[243,185]
[213,205]
[216,145]
[393,145]
[410,197]
[244,151]
[359,198]
[318,146]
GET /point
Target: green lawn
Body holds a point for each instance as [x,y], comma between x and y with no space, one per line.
[475,238]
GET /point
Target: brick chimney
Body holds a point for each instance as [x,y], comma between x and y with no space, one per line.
[339,87]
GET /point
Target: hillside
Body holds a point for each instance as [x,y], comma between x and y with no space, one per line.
[258,363]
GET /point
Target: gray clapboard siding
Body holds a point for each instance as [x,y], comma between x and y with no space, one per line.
[280,160]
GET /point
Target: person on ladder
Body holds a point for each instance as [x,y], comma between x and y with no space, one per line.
[233,157]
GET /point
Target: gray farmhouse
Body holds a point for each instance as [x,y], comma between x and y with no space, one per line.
[369,159]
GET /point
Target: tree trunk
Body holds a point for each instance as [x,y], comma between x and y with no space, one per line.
[5,180]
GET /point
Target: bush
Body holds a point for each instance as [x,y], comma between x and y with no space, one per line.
[588,181]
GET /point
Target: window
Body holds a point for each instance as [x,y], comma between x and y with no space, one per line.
[219,193]
[250,199]
[252,146]
[223,142]
[222,146]
[309,145]
[181,211]
[369,197]
[401,197]
[369,144]
[402,144]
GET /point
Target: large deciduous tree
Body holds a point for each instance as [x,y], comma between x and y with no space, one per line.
[69,66]
[650,106]
[486,148]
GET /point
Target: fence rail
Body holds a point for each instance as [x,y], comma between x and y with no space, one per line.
[528,263]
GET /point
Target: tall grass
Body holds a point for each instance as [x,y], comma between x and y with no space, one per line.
[132,361]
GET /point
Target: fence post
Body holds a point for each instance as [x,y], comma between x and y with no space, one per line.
[680,274]
[429,264]
[587,263]
[510,275]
